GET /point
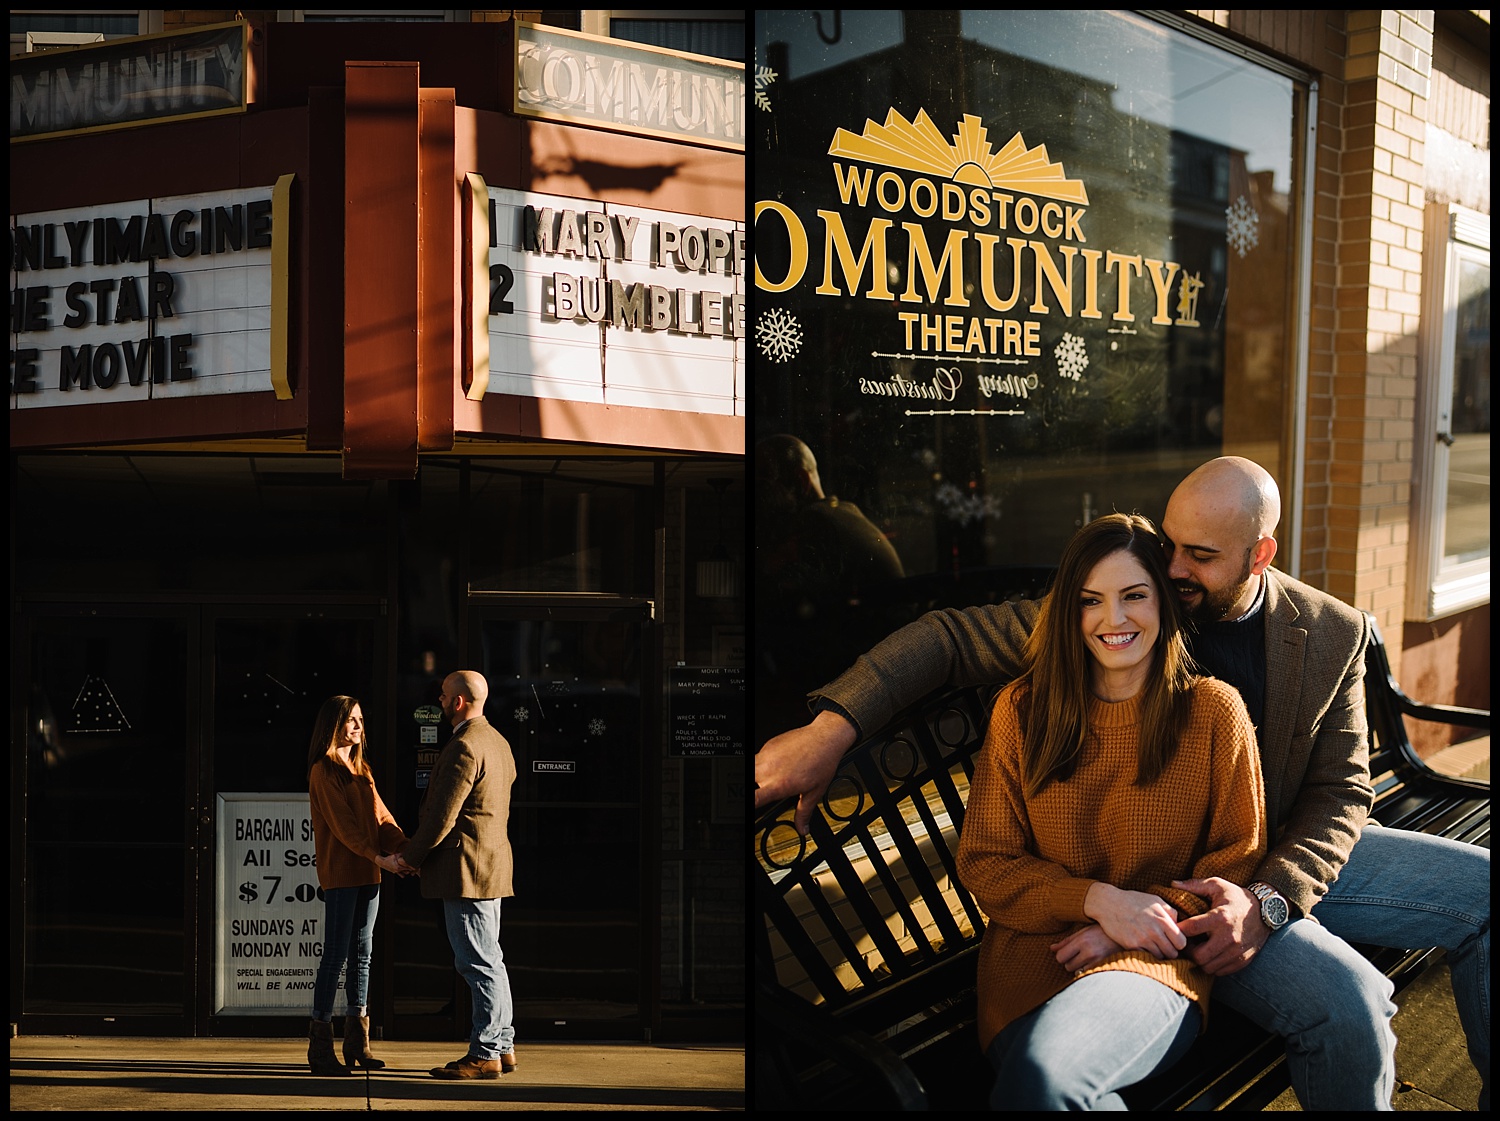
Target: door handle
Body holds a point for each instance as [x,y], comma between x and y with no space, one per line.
[1446,437]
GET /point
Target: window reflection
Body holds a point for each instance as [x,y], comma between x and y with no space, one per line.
[1466,534]
[1015,270]
[554,527]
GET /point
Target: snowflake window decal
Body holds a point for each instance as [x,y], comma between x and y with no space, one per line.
[780,335]
[522,715]
[1243,229]
[764,77]
[596,727]
[1072,357]
[964,508]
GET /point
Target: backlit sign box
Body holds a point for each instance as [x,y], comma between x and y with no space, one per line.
[141,80]
[605,83]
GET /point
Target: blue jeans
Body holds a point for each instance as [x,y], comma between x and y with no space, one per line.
[1102,1033]
[1308,984]
[348,934]
[474,932]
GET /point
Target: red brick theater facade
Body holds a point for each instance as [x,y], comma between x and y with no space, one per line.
[343,356]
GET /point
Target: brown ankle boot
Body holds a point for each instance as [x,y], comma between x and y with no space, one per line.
[357,1043]
[320,1056]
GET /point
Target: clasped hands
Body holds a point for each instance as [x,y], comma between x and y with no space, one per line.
[1229,933]
[396,863]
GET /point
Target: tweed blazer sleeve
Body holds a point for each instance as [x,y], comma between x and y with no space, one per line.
[453,776]
[956,647]
[1315,744]
[462,844]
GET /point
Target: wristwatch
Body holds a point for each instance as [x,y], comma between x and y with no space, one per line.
[1274,911]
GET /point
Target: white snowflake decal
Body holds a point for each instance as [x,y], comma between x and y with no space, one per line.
[764,76]
[1244,226]
[1072,357]
[780,335]
[596,727]
[522,715]
[964,508]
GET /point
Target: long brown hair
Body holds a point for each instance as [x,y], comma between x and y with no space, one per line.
[326,727]
[1055,698]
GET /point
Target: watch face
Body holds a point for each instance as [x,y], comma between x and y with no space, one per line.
[1274,910]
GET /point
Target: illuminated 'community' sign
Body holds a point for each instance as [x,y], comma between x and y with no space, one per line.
[139,80]
[994,240]
[606,83]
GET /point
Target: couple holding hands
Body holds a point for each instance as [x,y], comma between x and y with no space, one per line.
[461,849]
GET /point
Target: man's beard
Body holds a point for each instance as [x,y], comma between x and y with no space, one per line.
[1215,607]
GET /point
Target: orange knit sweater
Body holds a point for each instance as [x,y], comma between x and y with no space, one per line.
[351,825]
[1030,860]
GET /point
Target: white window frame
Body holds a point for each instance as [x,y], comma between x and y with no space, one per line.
[27,42]
[1434,587]
[596,21]
[377,15]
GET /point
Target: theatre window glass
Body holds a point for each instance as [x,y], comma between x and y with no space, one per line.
[1450,553]
[1014,269]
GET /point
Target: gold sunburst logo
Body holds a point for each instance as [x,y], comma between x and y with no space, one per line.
[970,159]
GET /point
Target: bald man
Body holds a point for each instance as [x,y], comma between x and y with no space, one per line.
[1296,655]
[462,849]
[815,556]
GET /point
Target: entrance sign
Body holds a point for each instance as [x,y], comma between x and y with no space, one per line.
[585,80]
[141,80]
[268,936]
[133,301]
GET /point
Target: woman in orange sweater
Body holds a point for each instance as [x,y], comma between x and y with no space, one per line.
[1110,772]
[356,837]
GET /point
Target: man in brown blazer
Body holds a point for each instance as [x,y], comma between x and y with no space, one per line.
[462,850]
[1296,654]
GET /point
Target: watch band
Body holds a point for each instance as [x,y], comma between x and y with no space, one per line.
[1275,912]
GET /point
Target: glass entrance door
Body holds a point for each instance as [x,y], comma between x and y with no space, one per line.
[112,818]
[566,692]
[127,743]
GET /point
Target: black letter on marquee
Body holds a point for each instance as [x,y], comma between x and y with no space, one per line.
[161,295]
[23,370]
[73,366]
[106,373]
[184,240]
[181,371]
[258,218]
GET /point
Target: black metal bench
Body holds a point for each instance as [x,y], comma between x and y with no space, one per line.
[867,944]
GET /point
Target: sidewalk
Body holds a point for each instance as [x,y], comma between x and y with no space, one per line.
[87,1073]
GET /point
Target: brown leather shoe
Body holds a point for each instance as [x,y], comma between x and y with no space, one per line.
[508,1062]
[469,1067]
